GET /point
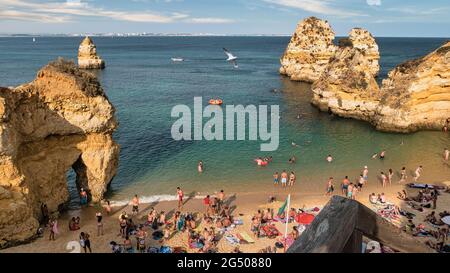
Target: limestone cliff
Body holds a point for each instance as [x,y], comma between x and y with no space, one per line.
[415,96]
[87,55]
[309,50]
[61,120]
[363,40]
[347,86]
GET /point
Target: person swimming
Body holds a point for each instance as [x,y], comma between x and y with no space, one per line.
[329,158]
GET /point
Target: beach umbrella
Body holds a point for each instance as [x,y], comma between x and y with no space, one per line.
[304,218]
[446,220]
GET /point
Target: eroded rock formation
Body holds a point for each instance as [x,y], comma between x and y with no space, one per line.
[363,40]
[61,120]
[415,96]
[309,50]
[347,86]
[87,55]
[312,46]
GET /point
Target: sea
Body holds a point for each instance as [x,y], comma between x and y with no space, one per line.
[144,85]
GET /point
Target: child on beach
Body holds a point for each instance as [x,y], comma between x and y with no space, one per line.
[292,179]
[418,172]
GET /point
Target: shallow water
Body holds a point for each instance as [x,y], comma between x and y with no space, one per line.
[144,85]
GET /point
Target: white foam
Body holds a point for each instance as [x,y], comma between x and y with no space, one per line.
[150,199]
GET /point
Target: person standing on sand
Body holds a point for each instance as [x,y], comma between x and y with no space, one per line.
[350,188]
[418,173]
[52,224]
[180,197]
[384,179]
[276,177]
[345,184]
[99,217]
[403,175]
[292,178]
[85,242]
[135,204]
[330,187]
[366,174]
[284,177]
[390,176]
[446,154]
[207,203]
[107,207]
[361,181]
[83,197]
[221,197]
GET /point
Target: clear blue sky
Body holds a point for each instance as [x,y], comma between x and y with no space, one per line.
[416,18]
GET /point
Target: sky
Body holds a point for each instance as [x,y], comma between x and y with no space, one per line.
[397,18]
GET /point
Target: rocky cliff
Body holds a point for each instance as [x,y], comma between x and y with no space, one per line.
[415,96]
[87,55]
[309,50]
[60,120]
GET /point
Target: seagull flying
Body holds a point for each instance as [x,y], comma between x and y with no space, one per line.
[231,58]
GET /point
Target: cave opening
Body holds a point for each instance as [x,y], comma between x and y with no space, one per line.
[76,179]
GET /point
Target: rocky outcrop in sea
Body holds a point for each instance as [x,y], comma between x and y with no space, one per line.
[87,55]
[60,120]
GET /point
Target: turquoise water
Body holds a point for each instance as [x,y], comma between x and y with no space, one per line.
[144,85]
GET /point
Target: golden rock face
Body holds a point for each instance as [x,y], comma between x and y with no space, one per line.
[87,55]
[60,120]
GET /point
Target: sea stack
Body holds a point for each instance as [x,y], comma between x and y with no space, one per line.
[87,55]
[60,120]
[347,87]
[363,40]
[309,50]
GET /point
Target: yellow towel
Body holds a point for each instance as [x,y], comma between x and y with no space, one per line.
[246,237]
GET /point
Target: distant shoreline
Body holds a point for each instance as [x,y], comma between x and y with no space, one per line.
[126,35]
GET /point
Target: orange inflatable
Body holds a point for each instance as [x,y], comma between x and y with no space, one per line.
[215,102]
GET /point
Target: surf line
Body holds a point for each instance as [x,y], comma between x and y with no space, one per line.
[235,123]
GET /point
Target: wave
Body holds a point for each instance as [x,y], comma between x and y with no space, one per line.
[151,199]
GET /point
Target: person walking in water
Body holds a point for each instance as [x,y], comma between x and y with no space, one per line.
[180,197]
[446,154]
[200,166]
[382,154]
[403,175]
[284,177]
[135,204]
[418,173]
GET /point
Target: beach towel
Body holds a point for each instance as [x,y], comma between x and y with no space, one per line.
[304,218]
[278,219]
[238,222]
[270,231]
[232,239]
[179,249]
[165,249]
[422,186]
[195,245]
[245,237]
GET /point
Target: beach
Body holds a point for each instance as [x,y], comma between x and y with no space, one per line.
[244,206]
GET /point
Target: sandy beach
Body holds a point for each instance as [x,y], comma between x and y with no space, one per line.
[243,206]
